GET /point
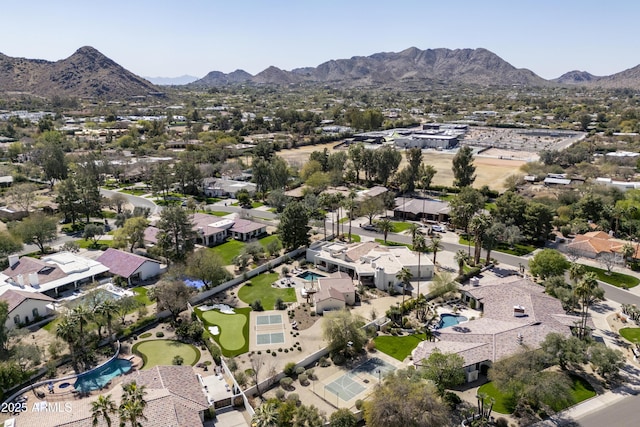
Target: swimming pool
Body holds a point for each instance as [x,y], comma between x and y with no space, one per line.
[448,320]
[95,380]
[310,275]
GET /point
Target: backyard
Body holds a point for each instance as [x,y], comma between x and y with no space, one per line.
[259,288]
[232,248]
[398,347]
[233,338]
[163,352]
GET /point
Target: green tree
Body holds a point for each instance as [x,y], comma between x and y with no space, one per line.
[38,229]
[23,195]
[161,180]
[343,332]
[132,405]
[189,177]
[538,219]
[463,168]
[370,207]
[478,226]
[176,236]
[308,416]
[510,209]
[461,257]
[93,232]
[385,226]
[607,361]
[404,276]
[547,263]
[4,315]
[172,294]
[443,285]
[445,370]
[68,199]
[355,154]
[9,244]
[343,417]
[419,245]
[102,408]
[90,201]
[293,227]
[435,246]
[243,197]
[563,351]
[266,415]
[207,266]
[587,291]
[405,400]
[131,234]
[387,160]
[51,156]
[425,175]
[464,206]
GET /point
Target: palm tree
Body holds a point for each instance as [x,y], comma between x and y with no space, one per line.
[414,230]
[266,415]
[350,205]
[435,246]
[102,408]
[385,226]
[107,309]
[67,330]
[133,404]
[479,225]
[576,271]
[404,276]
[461,258]
[628,250]
[419,245]
[81,315]
[587,291]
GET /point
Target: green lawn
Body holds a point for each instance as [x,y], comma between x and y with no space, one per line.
[581,390]
[390,243]
[265,240]
[354,237]
[234,329]
[400,226]
[260,288]
[108,214]
[631,334]
[398,347]
[88,244]
[217,213]
[616,279]
[141,295]
[162,352]
[519,249]
[228,250]
[136,192]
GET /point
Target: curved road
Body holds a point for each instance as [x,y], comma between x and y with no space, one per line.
[134,200]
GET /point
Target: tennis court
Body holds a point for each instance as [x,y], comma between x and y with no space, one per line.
[355,382]
[269,319]
[270,338]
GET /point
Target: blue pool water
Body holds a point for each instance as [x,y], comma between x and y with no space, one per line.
[97,379]
[448,320]
[194,283]
[310,275]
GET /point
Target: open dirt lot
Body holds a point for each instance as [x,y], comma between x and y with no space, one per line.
[490,171]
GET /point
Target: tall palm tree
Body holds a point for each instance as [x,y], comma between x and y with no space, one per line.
[461,258]
[350,205]
[435,246]
[266,415]
[103,408]
[628,250]
[414,230]
[588,291]
[404,276]
[479,225]
[67,330]
[419,245]
[81,315]
[133,404]
[385,226]
[107,309]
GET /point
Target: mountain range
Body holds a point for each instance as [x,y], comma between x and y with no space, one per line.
[88,73]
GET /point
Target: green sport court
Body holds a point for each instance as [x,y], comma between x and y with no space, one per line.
[355,382]
[231,328]
[269,319]
[269,329]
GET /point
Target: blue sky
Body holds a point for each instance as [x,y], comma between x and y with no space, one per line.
[171,38]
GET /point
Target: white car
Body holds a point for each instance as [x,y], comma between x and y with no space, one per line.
[438,228]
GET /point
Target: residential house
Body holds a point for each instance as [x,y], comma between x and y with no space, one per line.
[224,187]
[334,292]
[132,267]
[596,243]
[515,313]
[422,209]
[370,263]
[50,275]
[25,307]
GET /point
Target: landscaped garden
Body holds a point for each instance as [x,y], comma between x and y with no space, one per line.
[616,279]
[580,390]
[233,338]
[519,249]
[165,352]
[259,288]
[398,347]
[228,250]
[631,334]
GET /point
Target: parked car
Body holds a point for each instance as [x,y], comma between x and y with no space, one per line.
[438,228]
[369,227]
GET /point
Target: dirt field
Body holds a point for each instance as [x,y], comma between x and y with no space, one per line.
[490,171]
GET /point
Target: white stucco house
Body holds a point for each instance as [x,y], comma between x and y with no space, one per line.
[25,307]
[370,263]
[334,293]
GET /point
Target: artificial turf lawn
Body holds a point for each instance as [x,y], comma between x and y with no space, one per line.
[162,352]
[616,279]
[260,288]
[398,347]
[580,390]
[631,334]
[234,329]
[141,295]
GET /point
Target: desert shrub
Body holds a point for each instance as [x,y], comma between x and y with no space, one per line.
[338,359]
[280,394]
[359,404]
[324,362]
[290,369]
[371,346]
[293,397]
[257,305]
[299,370]
[177,360]
[241,378]
[146,335]
[303,379]
[159,334]
[310,374]
[286,383]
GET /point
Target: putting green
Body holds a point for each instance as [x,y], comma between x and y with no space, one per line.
[231,328]
[162,352]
